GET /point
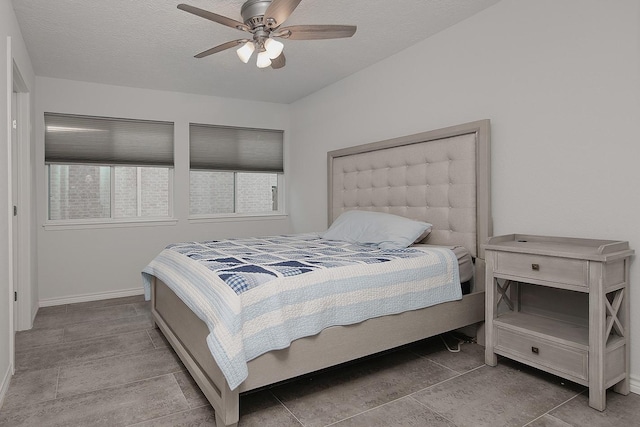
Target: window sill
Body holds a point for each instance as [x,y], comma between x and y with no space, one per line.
[240,217]
[116,223]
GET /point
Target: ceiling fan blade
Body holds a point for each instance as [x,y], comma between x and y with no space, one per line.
[316,32]
[214,17]
[278,11]
[220,48]
[279,62]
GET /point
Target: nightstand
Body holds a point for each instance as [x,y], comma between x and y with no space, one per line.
[561,305]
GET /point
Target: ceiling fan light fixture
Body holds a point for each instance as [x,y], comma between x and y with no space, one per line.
[274,48]
[245,52]
[263,20]
[263,59]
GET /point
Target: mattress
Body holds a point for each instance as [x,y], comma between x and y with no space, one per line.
[465,261]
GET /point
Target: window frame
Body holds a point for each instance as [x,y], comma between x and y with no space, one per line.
[281,212]
[108,142]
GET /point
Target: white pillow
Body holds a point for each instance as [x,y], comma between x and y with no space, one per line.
[384,230]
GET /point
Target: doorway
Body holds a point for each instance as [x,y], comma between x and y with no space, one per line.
[21,198]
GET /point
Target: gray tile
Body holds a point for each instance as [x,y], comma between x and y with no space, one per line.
[87,330]
[122,379]
[505,395]
[143,307]
[101,313]
[405,412]
[31,387]
[334,395]
[262,409]
[203,416]
[118,406]
[158,339]
[621,411]
[60,319]
[81,351]
[37,337]
[116,370]
[106,303]
[52,309]
[50,320]
[190,389]
[549,421]
[469,357]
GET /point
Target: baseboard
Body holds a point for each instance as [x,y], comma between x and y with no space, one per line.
[47,302]
[634,384]
[4,385]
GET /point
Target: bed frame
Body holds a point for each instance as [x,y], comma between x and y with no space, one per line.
[442,177]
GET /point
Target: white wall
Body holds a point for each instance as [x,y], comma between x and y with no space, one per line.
[559,81]
[8,28]
[81,263]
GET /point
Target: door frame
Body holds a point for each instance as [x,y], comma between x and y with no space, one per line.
[23,275]
[22,235]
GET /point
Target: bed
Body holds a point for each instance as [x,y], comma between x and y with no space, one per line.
[441,177]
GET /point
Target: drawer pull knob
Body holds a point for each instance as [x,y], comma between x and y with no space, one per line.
[535,350]
[535,267]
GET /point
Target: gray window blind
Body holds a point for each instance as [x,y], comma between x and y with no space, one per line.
[85,139]
[235,149]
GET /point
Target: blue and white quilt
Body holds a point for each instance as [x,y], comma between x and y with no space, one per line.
[260,294]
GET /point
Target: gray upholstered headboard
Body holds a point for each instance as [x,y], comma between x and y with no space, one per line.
[441,177]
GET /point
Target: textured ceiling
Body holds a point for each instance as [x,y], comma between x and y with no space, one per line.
[150,43]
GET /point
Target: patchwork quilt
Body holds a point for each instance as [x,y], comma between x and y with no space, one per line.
[259,294]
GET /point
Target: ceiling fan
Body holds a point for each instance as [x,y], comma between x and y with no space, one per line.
[263,20]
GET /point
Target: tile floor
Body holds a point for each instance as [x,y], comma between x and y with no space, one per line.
[103,364]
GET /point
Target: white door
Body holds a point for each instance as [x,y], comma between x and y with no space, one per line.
[14,199]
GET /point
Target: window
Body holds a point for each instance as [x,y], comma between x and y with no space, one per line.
[108,169]
[235,171]
[84,192]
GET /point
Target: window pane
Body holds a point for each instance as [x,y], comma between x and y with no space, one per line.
[211,192]
[257,192]
[154,184]
[126,197]
[79,192]
[141,192]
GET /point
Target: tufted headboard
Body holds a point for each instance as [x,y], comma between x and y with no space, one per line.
[441,177]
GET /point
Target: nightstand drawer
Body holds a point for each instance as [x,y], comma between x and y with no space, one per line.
[538,351]
[559,270]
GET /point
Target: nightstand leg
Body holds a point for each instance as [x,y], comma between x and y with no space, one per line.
[490,357]
[597,398]
[597,338]
[623,386]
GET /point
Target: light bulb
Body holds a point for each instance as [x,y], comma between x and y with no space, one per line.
[263,60]
[245,52]
[274,48]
